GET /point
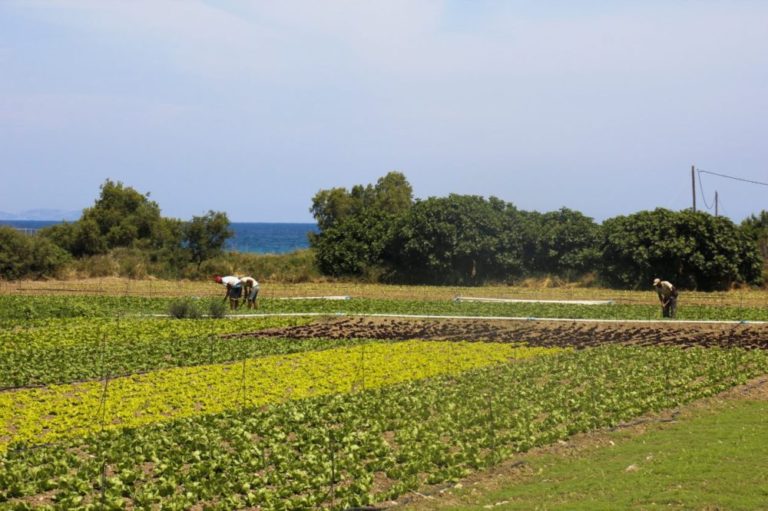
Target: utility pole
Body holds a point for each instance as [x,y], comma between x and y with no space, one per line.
[693,186]
[715,202]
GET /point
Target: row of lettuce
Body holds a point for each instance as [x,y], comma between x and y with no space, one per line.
[15,308]
[415,419]
[51,413]
[58,351]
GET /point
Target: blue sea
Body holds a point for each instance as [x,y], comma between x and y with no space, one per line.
[257,237]
[269,238]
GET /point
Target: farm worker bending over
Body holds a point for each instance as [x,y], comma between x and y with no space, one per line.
[251,291]
[234,289]
[667,296]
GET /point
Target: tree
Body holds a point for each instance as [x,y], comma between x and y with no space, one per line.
[81,238]
[124,217]
[459,239]
[756,227]
[692,250]
[356,225]
[563,242]
[355,245]
[391,194]
[331,206]
[28,256]
[120,217]
[204,236]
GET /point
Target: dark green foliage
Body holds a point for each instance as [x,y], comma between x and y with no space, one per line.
[205,235]
[125,217]
[692,250]
[357,225]
[354,245]
[81,238]
[563,242]
[120,218]
[469,240]
[125,225]
[459,239]
[756,227]
[22,255]
[391,194]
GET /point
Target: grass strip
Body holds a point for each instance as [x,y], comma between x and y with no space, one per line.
[714,459]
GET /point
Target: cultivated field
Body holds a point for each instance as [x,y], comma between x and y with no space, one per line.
[113,286]
[333,404]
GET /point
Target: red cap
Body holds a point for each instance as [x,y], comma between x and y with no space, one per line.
[217,278]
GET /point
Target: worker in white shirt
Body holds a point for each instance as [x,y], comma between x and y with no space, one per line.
[250,291]
[667,296]
[234,289]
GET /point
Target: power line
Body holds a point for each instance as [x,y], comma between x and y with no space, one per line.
[701,171]
[703,197]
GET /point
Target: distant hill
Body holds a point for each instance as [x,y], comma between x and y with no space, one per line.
[41,214]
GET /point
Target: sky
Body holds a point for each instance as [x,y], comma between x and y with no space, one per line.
[252,107]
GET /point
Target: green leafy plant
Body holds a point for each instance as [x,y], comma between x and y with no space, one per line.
[185,308]
[366,444]
[217,309]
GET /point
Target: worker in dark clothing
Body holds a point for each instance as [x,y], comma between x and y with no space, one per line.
[667,296]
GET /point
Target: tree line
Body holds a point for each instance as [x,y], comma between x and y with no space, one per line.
[121,219]
[379,232]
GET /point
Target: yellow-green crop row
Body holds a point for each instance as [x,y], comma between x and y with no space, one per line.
[64,332]
[64,351]
[65,411]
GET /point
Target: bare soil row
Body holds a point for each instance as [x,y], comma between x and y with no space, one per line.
[535,333]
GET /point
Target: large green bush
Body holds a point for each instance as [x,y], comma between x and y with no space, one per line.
[354,245]
[123,233]
[562,242]
[356,225]
[692,250]
[459,239]
[470,240]
[22,255]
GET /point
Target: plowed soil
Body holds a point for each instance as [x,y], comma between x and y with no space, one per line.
[534,333]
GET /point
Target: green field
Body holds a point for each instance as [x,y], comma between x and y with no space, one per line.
[106,408]
[14,307]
